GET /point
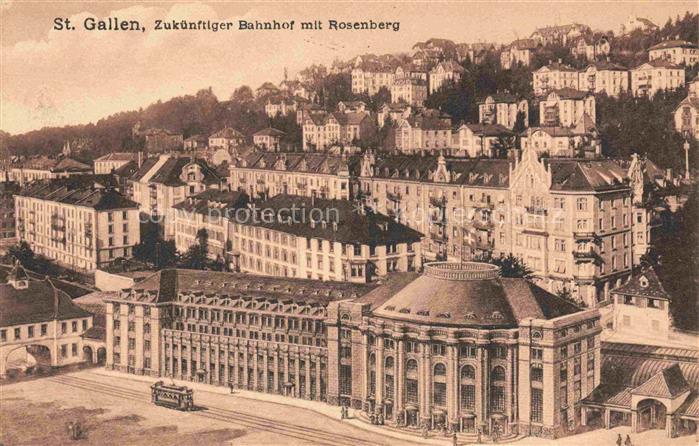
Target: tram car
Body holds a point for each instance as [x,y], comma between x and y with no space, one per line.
[172,396]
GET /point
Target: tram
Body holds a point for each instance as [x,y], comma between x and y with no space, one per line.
[172,396]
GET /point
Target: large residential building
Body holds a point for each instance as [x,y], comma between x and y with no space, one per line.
[566,107]
[324,130]
[456,346]
[395,112]
[265,174]
[554,76]
[604,77]
[226,138]
[559,34]
[40,326]
[110,162]
[591,47]
[656,75]
[569,220]
[517,53]
[337,240]
[371,76]
[279,106]
[163,181]
[444,73]
[428,130]
[409,90]
[686,116]
[579,140]
[503,108]
[8,231]
[480,140]
[678,52]
[208,211]
[44,168]
[634,23]
[268,139]
[78,224]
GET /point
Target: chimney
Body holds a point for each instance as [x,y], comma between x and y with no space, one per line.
[668,174]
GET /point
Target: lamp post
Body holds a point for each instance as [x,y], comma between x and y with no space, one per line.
[686,157]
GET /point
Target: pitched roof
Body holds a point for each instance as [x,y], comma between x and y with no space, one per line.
[571,93]
[165,285]
[354,224]
[579,175]
[204,202]
[319,163]
[79,193]
[489,129]
[118,156]
[673,44]
[606,66]
[524,44]
[556,66]
[645,283]
[227,133]
[169,172]
[39,302]
[668,383]
[269,131]
[504,97]
[659,63]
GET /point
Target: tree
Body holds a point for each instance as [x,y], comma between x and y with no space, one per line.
[510,266]
[153,249]
[23,253]
[196,256]
[243,95]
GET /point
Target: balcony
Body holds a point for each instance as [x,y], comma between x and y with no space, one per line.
[587,255]
[536,210]
[484,225]
[438,202]
[438,235]
[394,196]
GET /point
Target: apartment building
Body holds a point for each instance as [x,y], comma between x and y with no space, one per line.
[337,240]
[566,107]
[571,219]
[579,140]
[480,140]
[517,53]
[268,139]
[371,76]
[45,168]
[554,76]
[209,211]
[656,75]
[604,77]
[106,164]
[395,112]
[409,90]
[226,138]
[7,211]
[163,181]
[448,72]
[324,130]
[503,108]
[279,106]
[264,174]
[428,130]
[686,115]
[559,34]
[591,47]
[78,224]
[678,52]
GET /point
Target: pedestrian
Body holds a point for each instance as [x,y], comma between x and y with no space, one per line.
[424,431]
[380,419]
[628,442]
[619,440]
[70,430]
[372,418]
[454,439]
[479,435]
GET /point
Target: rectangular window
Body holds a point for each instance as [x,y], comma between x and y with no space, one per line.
[44,329]
[411,389]
[468,396]
[74,349]
[497,398]
[537,405]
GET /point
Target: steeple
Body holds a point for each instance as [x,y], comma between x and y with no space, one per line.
[18,277]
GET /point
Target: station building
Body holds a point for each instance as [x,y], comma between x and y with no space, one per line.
[457,345]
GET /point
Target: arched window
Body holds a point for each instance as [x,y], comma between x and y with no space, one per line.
[439,385]
[411,383]
[440,370]
[372,374]
[497,374]
[388,378]
[468,372]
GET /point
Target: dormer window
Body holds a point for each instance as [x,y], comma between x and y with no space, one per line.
[643,282]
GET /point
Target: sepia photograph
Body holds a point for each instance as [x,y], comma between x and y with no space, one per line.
[349,223]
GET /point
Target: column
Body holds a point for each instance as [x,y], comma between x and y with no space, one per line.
[246,360]
[255,369]
[275,358]
[379,372]
[308,376]
[265,365]
[634,421]
[425,383]
[452,386]
[365,368]
[286,372]
[297,375]
[399,377]
[607,418]
[318,376]
[236,364]
[583,416]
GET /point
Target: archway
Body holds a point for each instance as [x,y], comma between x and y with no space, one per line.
[101,356]
[651,414]
[87,354]
[27,359]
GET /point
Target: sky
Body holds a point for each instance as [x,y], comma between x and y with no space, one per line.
[50,77]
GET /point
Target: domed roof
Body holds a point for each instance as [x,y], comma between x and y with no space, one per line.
[471,294]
